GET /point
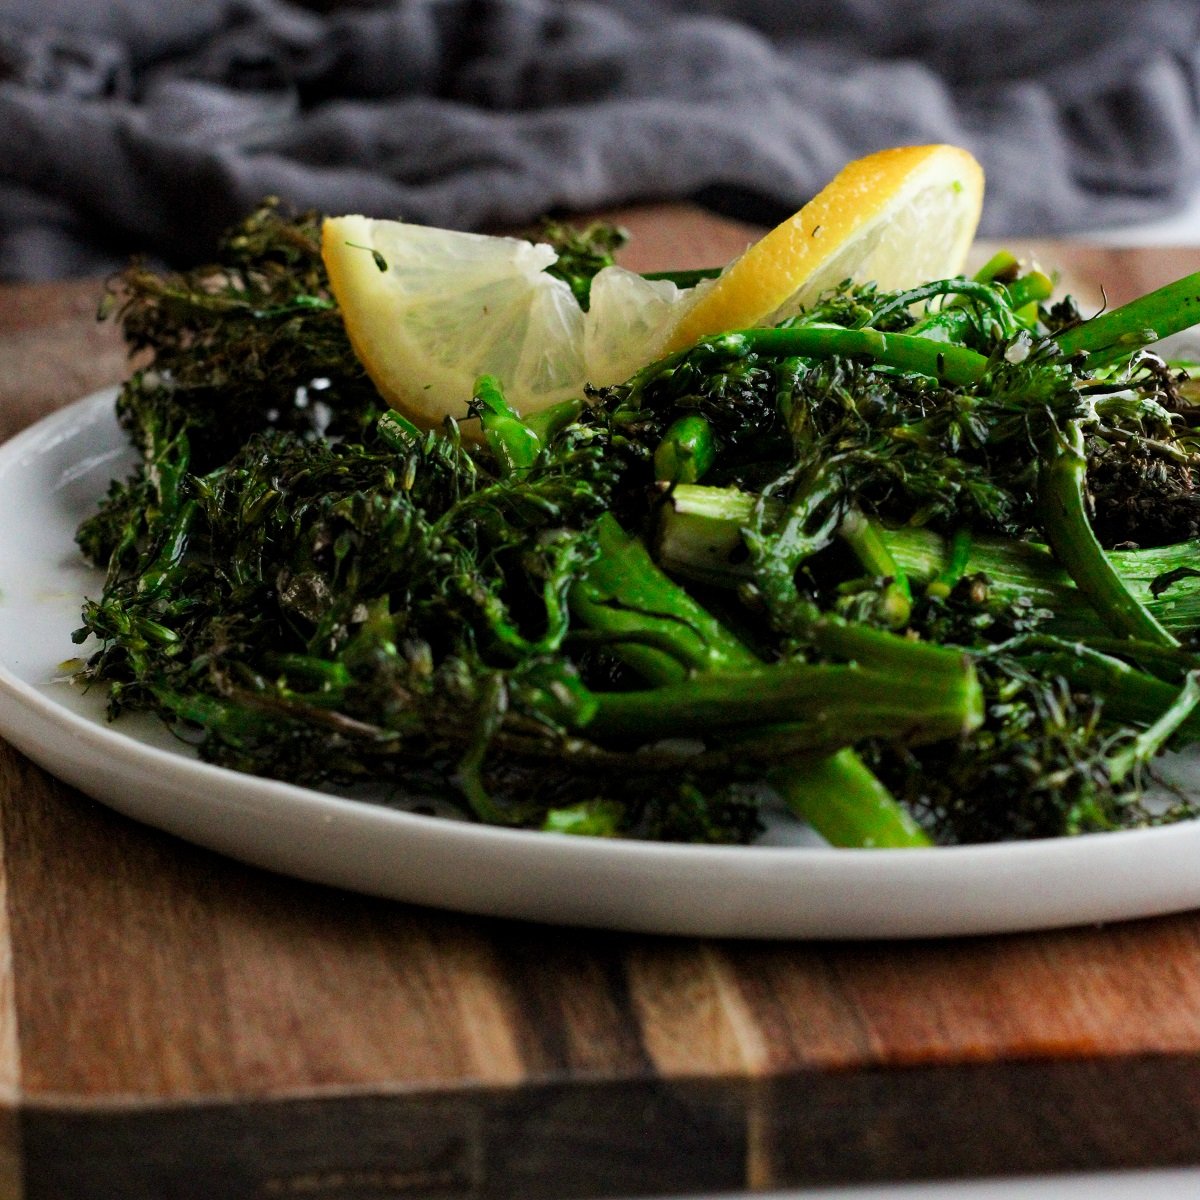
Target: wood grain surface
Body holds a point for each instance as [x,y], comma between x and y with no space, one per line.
[174,1024]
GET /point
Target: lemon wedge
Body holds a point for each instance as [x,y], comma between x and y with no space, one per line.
[430,310]
[896,218]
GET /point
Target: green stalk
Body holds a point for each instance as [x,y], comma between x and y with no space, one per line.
[699,534]
[955,567]
[807,525]
[701,529]
[1029,289]
[470,767]
[949,325]
[1161,661]
[1131,697]
[954,321]
[1013,570]
[1002,263]
[839,796]
[700,538]
[862,535]
[686,452]
[1150,741]
[1118,334]
[1027,569]
[954,365]
[1075,546]
[625,594]
[964,290]
[169,566]
[549,422]
[514,444]
[398,431]
[825,708]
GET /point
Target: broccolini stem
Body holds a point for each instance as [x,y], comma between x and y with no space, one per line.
[809,523]
[1027,570]
[1030,289]
[954,322]
[1004,264]
[306,670]
[956,565]
[715,526]
[864,814]
[700,537]
[877,648]
[1163,661]
[684,279]
[984,294]
[551,421]
[951,325]
[788,371]
[1149,742]
[954,365]
[168,567]
[1116,335]
[699,534]
[1131,697]
[686,451]
[492,706]
[945,361]
[398,431]
[1074,544]
[825,708]
[861,534]
[625,594]
[513,443]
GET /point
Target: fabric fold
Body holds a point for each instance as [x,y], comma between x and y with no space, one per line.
[139,126]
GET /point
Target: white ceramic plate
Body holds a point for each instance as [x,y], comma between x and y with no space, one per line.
[53,474]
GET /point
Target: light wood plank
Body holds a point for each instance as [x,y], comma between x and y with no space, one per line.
[53,349]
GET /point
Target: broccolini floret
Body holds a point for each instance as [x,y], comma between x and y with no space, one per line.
[873,563]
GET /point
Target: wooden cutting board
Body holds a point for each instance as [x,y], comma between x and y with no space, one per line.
[177,1025]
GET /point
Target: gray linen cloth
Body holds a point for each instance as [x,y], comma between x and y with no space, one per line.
[150,125]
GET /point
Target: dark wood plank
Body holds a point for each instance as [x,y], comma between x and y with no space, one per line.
[971,1120]
[630,1137]
[545,1142]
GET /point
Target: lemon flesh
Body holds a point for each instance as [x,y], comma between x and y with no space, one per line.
[628,322]
[430,310]
[896,218]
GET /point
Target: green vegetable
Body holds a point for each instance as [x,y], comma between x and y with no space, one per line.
[1113,337]
[902,603]
[686,451]
[624,593]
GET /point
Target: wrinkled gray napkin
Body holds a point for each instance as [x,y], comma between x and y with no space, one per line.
[148,125]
